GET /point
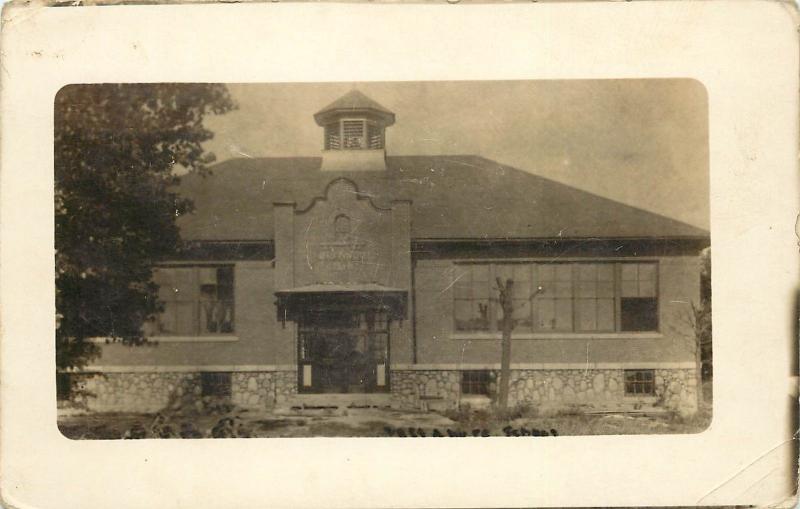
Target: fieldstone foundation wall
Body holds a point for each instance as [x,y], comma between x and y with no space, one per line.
[152,392]
[415,389]
[135,392]
[593,389]
[261,389]
[675,389]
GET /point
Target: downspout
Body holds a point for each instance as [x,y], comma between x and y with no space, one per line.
[413,312]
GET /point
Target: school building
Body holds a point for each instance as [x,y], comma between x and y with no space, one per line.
[361,278]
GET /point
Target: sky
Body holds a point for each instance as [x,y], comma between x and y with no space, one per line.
[640,142]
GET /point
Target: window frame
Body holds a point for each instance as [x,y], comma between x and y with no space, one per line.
[198,332]
[484,385]
[472,300]
[211,381]
[574,330]
[620,296]
[647,382]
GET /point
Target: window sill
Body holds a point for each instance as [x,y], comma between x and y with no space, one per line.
[556,335]
[644,398]
[220,338]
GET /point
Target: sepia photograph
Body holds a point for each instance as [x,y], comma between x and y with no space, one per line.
[382,259]
[388,254]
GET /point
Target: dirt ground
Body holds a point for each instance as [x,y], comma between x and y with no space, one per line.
[372,422]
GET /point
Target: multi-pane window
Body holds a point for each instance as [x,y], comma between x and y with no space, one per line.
[559,296]
[639,300]
[215,384]
[197,300]
[472,291]
[553,305]
[475,382]
[594,297]
[639,382]
[521,293]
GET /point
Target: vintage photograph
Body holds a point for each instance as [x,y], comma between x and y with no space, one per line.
[382,259]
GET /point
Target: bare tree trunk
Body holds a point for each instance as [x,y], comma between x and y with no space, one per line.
[697,322]
[698,371]
[506,304]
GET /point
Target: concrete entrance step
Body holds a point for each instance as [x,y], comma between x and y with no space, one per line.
[322,401]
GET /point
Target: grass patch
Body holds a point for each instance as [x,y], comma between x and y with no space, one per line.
[376,422]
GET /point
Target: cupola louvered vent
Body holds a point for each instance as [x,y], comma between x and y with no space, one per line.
[355,133]
[375,136]
[332,139]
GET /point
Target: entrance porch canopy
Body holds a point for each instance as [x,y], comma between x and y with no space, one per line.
[293,302]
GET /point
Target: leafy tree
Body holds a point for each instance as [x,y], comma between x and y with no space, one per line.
[116,150]
[701,314]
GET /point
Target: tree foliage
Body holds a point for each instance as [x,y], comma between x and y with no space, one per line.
[116,150]
[702,315]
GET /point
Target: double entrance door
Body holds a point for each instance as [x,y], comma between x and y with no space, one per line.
[343,352]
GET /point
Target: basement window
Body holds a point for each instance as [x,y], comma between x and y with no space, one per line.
[639,382]
[475,382]
[215,384]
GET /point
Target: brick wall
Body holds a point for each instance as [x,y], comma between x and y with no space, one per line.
[258,339]
[437,342]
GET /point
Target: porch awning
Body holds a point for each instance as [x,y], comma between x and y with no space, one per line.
[293,302]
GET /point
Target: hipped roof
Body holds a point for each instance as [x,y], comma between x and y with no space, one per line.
[462,197]
[351,103]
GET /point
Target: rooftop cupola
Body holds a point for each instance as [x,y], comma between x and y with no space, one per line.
[355,133]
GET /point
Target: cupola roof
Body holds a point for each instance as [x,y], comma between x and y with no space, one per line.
[353,103]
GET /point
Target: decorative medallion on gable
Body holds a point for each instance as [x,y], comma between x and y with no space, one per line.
[342,237]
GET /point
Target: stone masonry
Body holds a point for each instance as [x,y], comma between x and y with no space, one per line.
[135,392]
[600,389]
[262,389]
[152,392]
[412,389]
[593,389]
